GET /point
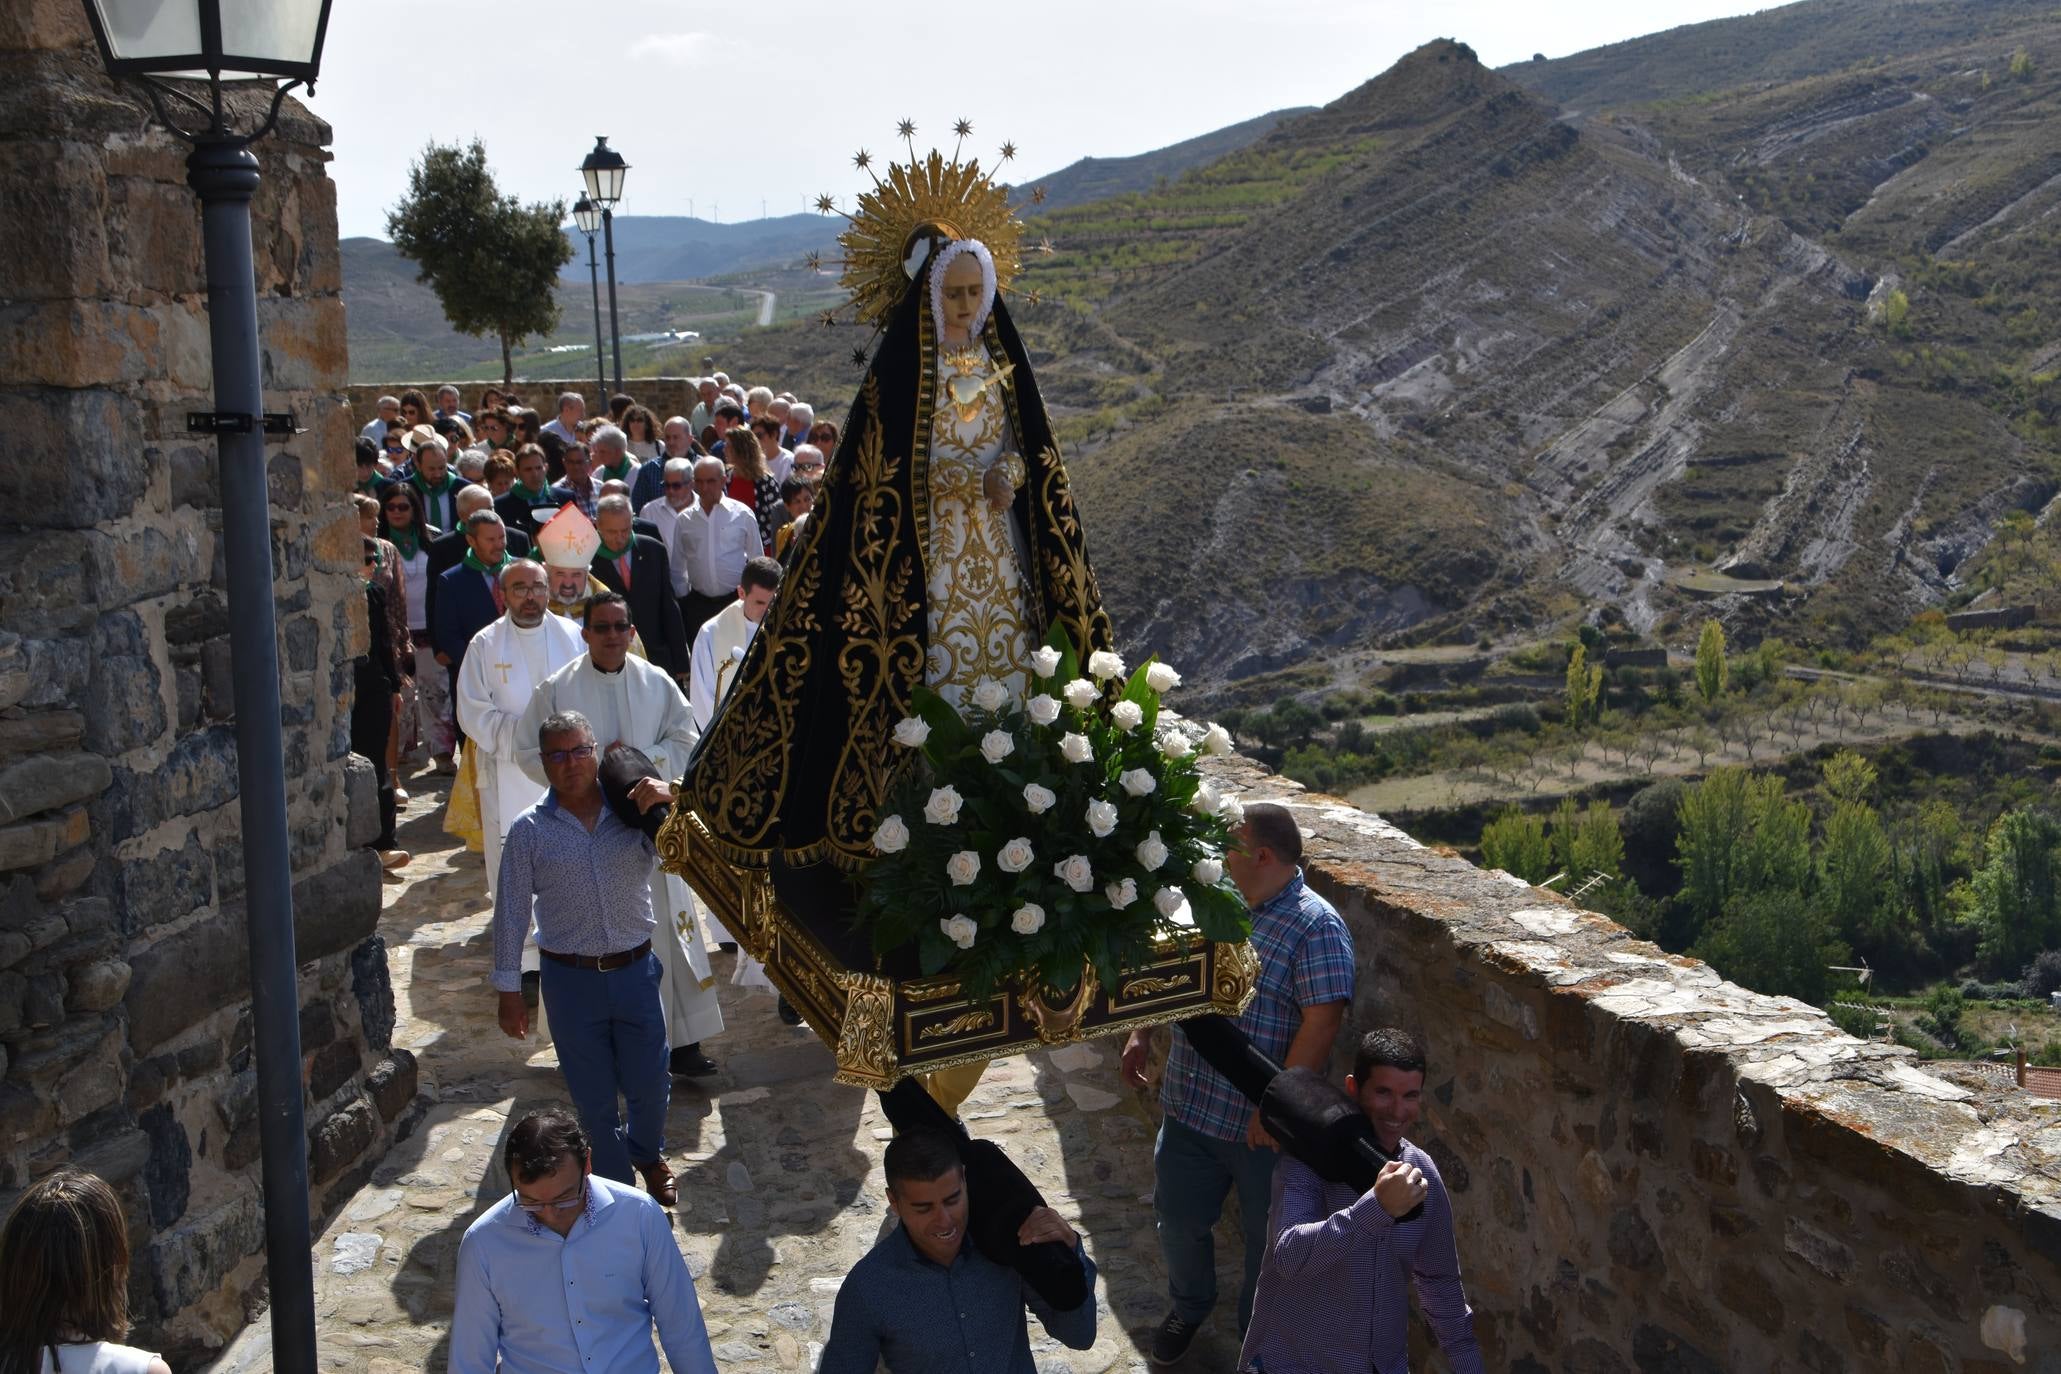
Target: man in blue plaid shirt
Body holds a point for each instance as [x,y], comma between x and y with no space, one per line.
[1210,1139]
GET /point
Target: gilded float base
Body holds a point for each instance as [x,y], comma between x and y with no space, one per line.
[882,1030]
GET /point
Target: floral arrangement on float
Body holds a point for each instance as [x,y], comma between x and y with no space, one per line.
[1027,843]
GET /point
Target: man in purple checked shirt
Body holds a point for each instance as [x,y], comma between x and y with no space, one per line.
[1333,1291]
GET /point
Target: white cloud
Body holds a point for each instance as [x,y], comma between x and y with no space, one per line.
[674,47]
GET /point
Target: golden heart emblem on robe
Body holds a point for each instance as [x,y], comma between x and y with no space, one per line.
[968,391]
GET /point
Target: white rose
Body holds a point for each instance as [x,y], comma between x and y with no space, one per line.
[1216,740]
[1076,749]
[1015,856]
[1121,894]
[1207,799]
[1080,693]
[1104,665]
[1161,677]
[1045,661]
[1038,799]
[1042,709]
[943,806]
[1138,782]
[1232,811]
[990,695]
[1027,919]
[960,930]
[1152,852]
[1076,872]
[1175,746]
[911,731]
[1208,872]
[996,745]
[892,836]
[1101,817]
[962,868]
[1169,901]
[1127,715]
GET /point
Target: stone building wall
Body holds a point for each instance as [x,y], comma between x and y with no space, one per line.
[124,1012]
[1654,1170]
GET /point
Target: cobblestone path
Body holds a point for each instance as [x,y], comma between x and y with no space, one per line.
[779,1168]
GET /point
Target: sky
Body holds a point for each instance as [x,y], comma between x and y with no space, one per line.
[762,113]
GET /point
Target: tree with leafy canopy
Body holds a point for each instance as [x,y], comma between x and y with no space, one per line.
[2016,893]
[1711,671]
[1774,942]
[492,261]
[1517,844]
[1584,687]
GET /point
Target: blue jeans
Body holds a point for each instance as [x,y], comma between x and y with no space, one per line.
[610,1033]
[1193,1172]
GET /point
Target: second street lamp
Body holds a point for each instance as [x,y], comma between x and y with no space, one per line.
[603,170]
[589,219]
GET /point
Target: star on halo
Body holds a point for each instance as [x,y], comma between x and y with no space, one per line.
[824,204]
[1038,196]
[858,357]
[828,317]
[1008,152]
[906,129]
[962,127]
[1045,247]
[862,159]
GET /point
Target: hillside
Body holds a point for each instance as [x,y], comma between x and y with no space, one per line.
[1098,178]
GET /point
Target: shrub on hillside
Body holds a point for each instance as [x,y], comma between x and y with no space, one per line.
[2043,974]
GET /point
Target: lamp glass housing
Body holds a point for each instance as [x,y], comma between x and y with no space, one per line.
[586,215]
[233,38]
[604,169]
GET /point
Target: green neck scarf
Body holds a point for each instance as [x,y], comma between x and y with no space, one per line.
[449,483]
[407,542]
[472,561]
[624,552]
[524,493]
[619,474]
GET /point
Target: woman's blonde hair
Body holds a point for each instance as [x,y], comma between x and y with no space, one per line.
[741,449]
[64,1268]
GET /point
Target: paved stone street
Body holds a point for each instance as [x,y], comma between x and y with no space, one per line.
[780,1188]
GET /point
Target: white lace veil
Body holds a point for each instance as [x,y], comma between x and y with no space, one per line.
[945,256]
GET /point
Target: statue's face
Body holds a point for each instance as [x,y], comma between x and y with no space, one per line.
[962,294]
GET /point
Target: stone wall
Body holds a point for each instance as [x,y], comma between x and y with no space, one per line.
[1655,1170]
[124,1016]
[667,396]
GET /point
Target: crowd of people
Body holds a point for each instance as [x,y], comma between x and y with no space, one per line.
[557,609]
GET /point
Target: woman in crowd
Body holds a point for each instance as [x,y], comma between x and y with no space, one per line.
[750,482]
[642,427]
[528,428]
[386,572]
[489,399]
[823,435]
[64,1282]
[499,473]
[426,729]
[415,409]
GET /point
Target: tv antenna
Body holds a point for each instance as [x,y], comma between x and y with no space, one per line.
[1862,975]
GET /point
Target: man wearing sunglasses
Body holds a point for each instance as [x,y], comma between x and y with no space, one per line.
[634,702]
[571,1272]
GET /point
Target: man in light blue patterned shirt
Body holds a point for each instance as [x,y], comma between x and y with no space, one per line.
[1210,1139]
[588,877]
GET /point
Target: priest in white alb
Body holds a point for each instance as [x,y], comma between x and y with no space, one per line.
[720,643]
[503,666]
[630,701]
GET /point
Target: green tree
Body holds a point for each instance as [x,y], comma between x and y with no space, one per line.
[1848,777]
[1774,942]
[2016,903]
[1710,662]
[1598,844]
[1739,836]
[2021,65]
[1584,687]
[492,261]
[1896,311]
[1856,877]
[1517,844]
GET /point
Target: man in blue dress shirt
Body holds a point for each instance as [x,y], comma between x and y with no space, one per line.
[589,878]
[569,1273]
[926,1301]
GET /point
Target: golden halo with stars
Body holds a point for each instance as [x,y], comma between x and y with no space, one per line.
[921,197]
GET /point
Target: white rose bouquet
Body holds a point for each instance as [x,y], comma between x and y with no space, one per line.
[1029,840]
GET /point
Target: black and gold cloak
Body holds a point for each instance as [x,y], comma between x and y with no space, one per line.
[792,772]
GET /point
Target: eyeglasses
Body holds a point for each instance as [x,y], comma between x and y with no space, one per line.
[676,486]
[563,1204]
[609,627]
[584,751]
[397,506]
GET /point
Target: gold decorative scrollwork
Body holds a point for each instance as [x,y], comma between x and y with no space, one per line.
[866,1042]
[1059,1023]
[965,1021]
[1148,986]
[1234,976]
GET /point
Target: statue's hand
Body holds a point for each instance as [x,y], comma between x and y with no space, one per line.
[997,486]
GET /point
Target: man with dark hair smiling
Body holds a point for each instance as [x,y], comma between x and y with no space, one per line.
[925,1301]
[569,1273]
[1333,1292]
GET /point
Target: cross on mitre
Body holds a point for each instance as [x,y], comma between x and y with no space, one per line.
[568,539]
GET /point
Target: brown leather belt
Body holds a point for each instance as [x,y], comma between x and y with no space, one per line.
[600,963]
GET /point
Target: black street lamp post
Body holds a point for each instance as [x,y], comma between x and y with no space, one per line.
[603,170]
[589,219]
[157,43]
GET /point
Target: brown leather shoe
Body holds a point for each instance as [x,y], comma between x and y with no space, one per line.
[658,1181]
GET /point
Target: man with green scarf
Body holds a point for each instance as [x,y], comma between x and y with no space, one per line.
[434,479]
[612,461]
[532,501]
[469,595]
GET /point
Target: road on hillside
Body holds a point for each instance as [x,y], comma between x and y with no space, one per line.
[766,299]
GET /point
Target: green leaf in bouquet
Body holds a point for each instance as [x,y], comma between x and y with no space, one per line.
[1220,913]
[1069,659]
[1140,691]
[948,733]
[937,952]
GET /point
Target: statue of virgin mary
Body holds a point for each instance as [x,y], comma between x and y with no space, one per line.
[944,548]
